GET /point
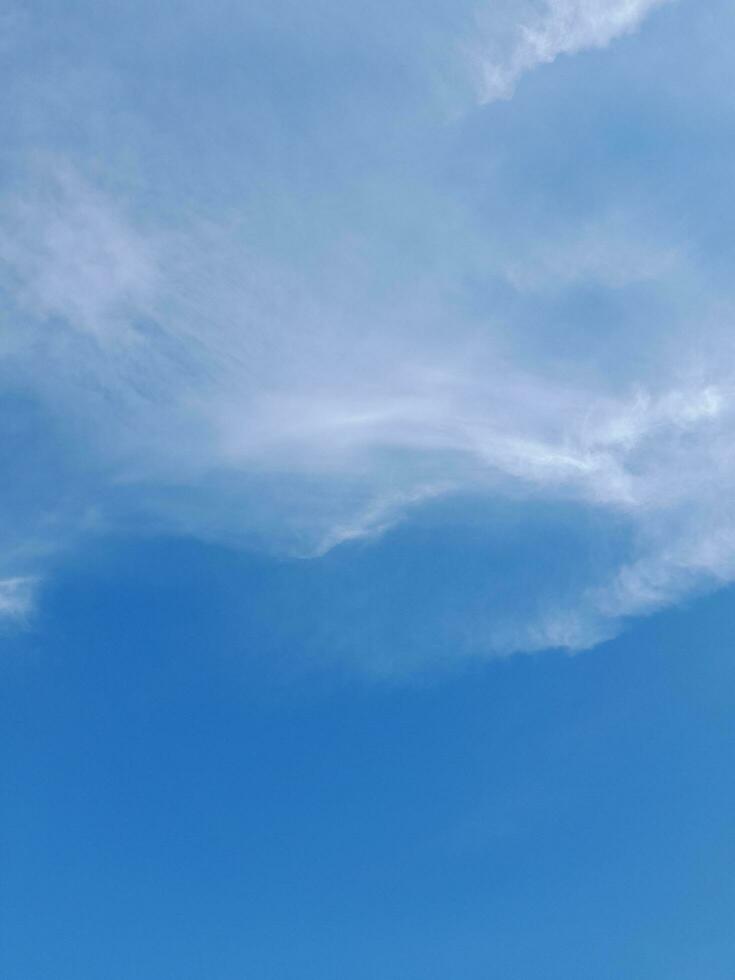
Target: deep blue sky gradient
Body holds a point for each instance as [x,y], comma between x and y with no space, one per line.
[177,804]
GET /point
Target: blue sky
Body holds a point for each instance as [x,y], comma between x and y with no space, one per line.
[359,364]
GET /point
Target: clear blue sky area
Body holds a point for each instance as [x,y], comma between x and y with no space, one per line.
[177,803]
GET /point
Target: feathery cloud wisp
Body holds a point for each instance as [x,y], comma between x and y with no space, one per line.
[540,31]
[302,355]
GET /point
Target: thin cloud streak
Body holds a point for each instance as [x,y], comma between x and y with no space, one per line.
[540,32]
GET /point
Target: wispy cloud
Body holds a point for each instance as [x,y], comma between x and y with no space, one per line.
[69,256]
[538,31]
[235,406]
[16,597]
[298,355]
[175,371]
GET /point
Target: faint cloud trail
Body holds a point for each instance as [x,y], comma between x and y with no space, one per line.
[542,31]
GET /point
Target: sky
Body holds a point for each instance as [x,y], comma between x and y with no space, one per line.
[367,537]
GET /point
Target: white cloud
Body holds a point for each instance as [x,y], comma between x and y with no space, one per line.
[538,31]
